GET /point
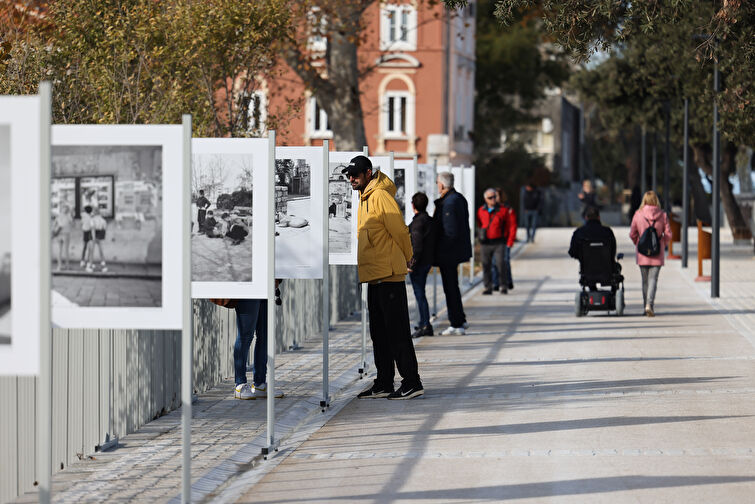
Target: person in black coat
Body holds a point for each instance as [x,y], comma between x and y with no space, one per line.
[423,244]
[453,247]
[592,230]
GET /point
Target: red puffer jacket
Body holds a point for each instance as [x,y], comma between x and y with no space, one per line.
[500,224]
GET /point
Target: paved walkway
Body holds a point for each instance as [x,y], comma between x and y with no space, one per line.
[536,405]
[532,404]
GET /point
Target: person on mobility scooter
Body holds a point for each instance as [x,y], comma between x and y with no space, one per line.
[594,245]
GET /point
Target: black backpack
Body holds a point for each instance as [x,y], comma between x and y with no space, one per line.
[649,244]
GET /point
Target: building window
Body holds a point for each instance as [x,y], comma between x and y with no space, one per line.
[319,124]
[257,112]
[397,113]
[318,24]
[398,27]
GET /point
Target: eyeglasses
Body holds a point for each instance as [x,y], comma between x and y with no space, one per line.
[489,197]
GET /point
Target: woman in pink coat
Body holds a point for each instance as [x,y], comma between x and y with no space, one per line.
[650,214]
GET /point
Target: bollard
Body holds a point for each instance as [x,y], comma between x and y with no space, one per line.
[676,235]
[703,251]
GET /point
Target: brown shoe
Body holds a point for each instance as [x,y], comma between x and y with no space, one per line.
[649,311]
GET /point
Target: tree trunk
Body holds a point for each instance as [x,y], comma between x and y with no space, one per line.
[344,106]
[739,228]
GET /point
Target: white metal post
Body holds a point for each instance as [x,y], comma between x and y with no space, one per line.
[435,268]
[363,362]
[44,387]
[272,444]
[471,225]
[460,184]
[325,280]
[186,328]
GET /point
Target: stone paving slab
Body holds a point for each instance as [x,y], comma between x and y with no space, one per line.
[536,405]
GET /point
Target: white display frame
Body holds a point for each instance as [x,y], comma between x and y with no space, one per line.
[23,116]
[167,316]
[410,184]
[429,170]
[383,164]
[346,258]
[314,267]
[259,149]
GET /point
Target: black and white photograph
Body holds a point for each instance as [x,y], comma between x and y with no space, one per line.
[399,179]
[404,171]
[299,198]
[221,224]
[228,191]
[343,203]
[107,225]
[111,190]
[426,184]
[5,236]
[21,242]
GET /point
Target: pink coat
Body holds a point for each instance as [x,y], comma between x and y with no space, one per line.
[640,222]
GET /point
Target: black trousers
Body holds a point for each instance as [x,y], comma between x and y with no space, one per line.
[450,276]
[391,336]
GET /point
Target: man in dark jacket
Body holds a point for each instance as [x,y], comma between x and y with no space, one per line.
[453,247]
[202,205]
[592,230]
[423,243]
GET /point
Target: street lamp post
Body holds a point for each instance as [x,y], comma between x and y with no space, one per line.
[654,181]
[666,160]
[643,162]
[716,231]
[685,186]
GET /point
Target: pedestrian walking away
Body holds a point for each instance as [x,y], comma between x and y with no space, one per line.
[383,257]
[422,234]
[648,220]
[587,197]
[491,233]
[453,247]
[533,205]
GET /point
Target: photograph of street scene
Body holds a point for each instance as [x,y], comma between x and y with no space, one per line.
[294,240]
[5,236]
[340,210]
[221,217]
[107,226]
[399,178]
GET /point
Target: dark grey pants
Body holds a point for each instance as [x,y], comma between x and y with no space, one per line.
[488,252]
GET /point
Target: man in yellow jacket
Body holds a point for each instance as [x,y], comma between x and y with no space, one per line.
[384,253]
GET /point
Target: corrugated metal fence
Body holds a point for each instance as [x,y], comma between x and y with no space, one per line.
[116,381]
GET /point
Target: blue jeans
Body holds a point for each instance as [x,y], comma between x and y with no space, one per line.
[251,315]
[419,278]
[530,220]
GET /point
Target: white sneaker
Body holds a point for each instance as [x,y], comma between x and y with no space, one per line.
[453,331]
[260,391]
[243,391]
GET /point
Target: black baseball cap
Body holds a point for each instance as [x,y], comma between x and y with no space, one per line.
[357,165]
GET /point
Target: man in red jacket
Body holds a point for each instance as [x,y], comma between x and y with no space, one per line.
[493,223]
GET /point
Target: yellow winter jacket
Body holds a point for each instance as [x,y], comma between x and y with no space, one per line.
[384,243]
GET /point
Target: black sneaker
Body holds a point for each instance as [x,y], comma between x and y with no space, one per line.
[405,392]
[418,333]
[375,392]
[427,330]
[504,290]
[487,292]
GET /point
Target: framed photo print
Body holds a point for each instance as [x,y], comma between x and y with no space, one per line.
[229,227]
[20,239]
[116,226]
[426,184]
[383,164]
[299,199]
[405,178]
[343,204]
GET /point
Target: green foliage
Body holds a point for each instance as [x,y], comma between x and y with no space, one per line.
[663,58]
[511,170]
[142,61]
